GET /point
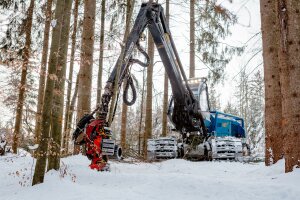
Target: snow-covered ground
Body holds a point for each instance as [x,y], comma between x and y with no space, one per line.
[172,179]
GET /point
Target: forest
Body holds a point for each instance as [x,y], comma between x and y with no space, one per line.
[142,97]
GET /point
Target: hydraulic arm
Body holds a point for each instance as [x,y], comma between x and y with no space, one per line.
[185,116]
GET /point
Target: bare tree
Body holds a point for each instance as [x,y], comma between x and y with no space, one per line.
[148,117]
[59,87]
[129,11]
[22,86]
[192,38]
[70,116]
[141,114]
[166,83]
[41,91]
[274,135]
[289,18]
[86,60]
[70,79]
[39,171]
[100,69]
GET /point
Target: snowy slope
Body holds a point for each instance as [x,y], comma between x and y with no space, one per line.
[173,179]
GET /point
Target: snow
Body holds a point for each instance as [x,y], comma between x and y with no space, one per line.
[172,179]
[53,23]
[34,147]
[3,144]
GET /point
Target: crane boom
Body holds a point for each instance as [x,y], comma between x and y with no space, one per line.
[185,116]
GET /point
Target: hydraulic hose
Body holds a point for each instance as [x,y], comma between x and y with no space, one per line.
[142,51]
[129,83]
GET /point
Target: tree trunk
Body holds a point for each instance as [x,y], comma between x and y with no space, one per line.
[22,86]
[142,112]
[148,118]
[70,78]
[289,17]
[86,60]
[124,124]
[99,84]
[129,11]
[70,117]
[40,166]
[166,83]
[41,91]
[192,38]
[273,115]
[59,88]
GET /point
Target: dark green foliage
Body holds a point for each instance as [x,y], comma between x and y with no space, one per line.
[12,40]
[12,4]
[213,23]
[12,43]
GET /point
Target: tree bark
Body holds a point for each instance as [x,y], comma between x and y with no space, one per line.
[86,60]
[141,113]
[99,84]
[59,88]
[129,11]
[289,17]
[41,91]
[273,115]
[166,84]
[124,125]
[22,86]
[70,117]
[39,171]
[148,118]
[70,78]
[192,38]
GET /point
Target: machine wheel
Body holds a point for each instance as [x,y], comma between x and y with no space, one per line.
[118,152]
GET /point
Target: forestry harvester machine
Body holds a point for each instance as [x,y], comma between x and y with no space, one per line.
[94,132]
[226,141]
